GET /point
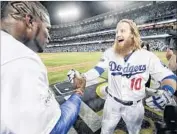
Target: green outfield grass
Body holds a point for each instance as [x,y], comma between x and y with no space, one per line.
[58,64]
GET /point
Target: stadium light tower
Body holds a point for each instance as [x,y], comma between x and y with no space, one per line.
[69,13]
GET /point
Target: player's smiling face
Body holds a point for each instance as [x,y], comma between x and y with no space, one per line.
[123,34]
[124,39]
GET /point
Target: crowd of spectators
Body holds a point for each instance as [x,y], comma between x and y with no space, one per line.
[155,45]
[62,41]
[80,48]
[97,38]
[155,31]
[106,37]
[153,12]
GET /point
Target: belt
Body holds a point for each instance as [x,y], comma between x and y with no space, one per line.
[127,103]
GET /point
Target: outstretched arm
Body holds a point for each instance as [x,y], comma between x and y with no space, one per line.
[89,75]
[69,113]
[97,71]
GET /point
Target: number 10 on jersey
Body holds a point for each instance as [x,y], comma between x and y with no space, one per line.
[136,83]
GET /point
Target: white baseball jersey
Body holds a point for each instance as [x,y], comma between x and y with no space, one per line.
[127,76]
[27,104]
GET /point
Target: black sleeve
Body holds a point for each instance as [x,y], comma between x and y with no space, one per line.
[148,82]
[175,94]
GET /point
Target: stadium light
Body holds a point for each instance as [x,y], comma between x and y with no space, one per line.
[69,13]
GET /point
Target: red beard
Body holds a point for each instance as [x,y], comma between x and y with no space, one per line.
[123,48]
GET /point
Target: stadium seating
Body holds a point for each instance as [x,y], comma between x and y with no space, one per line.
[92,35]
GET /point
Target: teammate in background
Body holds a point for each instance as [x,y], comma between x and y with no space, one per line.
[171,55]
[129,68]
[27,104]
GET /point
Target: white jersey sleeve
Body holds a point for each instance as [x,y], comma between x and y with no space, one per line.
[157,70]
[27,104]
[101,66]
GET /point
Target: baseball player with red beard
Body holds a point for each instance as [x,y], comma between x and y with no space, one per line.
[129,68]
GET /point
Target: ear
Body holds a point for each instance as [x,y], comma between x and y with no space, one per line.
[29,20]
